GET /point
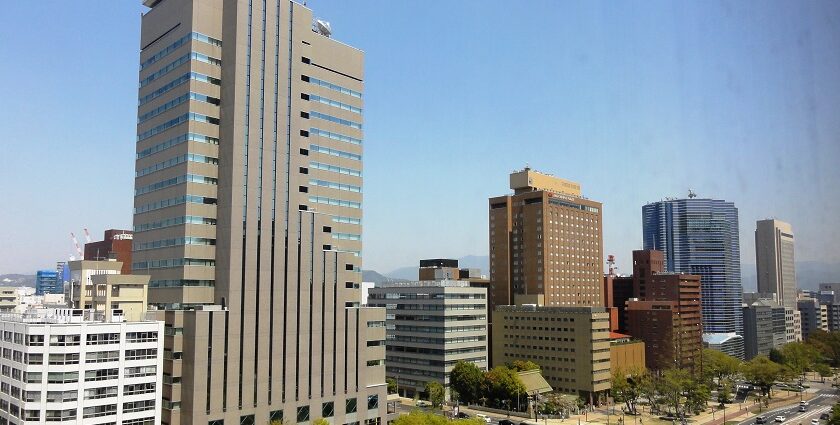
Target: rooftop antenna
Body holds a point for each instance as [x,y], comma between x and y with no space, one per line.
[691,194]
[322,27]
[611,264]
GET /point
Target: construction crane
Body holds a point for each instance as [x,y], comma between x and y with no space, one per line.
[76,244]
[87,236]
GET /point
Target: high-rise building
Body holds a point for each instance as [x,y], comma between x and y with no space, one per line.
[700,237]
[775,261]
[248,214]
[814,316]
[48,282]
[545,239]
[115,245]
[431,325]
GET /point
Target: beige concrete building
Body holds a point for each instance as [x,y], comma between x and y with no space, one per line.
[626,353]
[775,262]
[248,214]
[571,345]
[430,326]
[9,299]
[100,286]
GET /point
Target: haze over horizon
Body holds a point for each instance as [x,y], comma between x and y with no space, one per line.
[637,102]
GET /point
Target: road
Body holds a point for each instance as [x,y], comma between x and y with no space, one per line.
[494,418]
[821,403]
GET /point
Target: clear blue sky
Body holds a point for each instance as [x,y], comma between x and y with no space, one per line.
[637,101]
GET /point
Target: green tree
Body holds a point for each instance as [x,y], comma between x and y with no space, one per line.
[392,385]
[276,422]
[824,370]
[720,365]
[500,384]
[626,388]
[725,392]
[320,421]
[834,419]
[697,396]
[762,373]
[776,356]
[426,418]
[436,393]
[466,379]
[523,365]
[828,344]
[671,387]
[800,357]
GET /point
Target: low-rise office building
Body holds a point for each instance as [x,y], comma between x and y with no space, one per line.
[814,315]
[760,328]
[570,344]
[626,353]
[100,286]
[80,367]
[430,326]
[9,298]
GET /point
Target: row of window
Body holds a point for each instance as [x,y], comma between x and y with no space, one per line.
[173,262]
[70,340]
[180,159]
[346,220]
[192,137]
[72,377]
[175,102]
[428,340]
[335,152]
[175,221]
[335,185]
[176,83]
[164,203]
[337,202]
[177,44]
[166,243]
[334,103]
[335,136]
[174,181]
[347,236]
[331,86]
[190,116]
[330,118]
[178,62]
[178,283]
[335,169]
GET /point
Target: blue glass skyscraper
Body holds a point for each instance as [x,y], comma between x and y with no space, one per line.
[700,236]
[48,282]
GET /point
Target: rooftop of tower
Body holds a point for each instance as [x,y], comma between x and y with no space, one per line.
[528,180]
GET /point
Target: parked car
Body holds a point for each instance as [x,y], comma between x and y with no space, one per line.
[423,403]
[780,418]
[483,417]
[761,420]
[824,416]
[462,415]
[506,422]
[815,421]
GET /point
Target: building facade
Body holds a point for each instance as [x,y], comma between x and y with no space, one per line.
[9,299]
[115,245]
[248,214]
[64,365]
[570,344]
[775,262]
[700,237]
[814,316]
[100,286]
[430,326]
[760,328]
[48,282]
[627,354]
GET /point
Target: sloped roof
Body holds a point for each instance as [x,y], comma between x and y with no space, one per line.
[534,381]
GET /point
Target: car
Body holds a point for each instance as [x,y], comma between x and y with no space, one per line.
[815,421]
[462,415]
[506,422]
[760,420]
[779,418]
[803,403]
[824,416]
[483,417]
[423,403]
[803,408]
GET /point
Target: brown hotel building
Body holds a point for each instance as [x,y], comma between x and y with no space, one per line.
[248,215]
[545,239]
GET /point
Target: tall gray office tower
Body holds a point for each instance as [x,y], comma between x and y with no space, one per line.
[700,236]
[774,260]
[248,215]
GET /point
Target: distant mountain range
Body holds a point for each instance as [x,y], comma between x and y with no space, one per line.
[17,280]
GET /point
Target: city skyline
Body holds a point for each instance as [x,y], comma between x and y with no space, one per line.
[733,117]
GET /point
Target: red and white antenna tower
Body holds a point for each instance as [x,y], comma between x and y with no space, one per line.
[611,264]
[76,244]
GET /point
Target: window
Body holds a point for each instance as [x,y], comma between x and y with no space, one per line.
[303,413]
[373,402]
[146,387]
[101,374]
[246,420]
[102,356]
[137,406]
[96,411]
[131,372]
[64,358]
[62,377]
[144,353]
[275,415]
[151,336]
[350,405]
[62,396]
[61,415]
[64,340]
[328,409]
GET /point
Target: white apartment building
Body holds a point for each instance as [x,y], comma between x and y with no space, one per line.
[79,367]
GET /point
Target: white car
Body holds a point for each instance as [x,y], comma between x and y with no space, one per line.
[484,418]
[780,418]
[815,421]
